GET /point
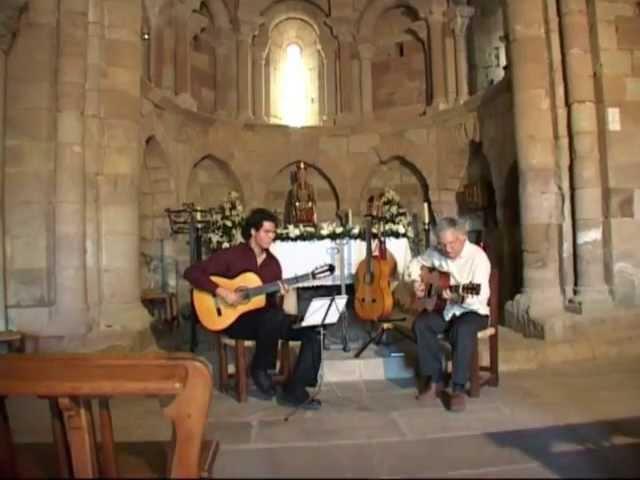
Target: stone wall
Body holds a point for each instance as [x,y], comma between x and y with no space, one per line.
[617,36]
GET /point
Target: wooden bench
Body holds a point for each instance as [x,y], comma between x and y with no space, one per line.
[70,382]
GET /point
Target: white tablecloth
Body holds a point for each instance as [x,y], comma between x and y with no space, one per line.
[301,257]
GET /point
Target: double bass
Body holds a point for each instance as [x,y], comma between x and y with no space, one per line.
[373,299]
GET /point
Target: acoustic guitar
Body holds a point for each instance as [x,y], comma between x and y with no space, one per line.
[216,314]
[373,300]
[435,282]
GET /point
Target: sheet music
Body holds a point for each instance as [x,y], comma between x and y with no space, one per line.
[318,308]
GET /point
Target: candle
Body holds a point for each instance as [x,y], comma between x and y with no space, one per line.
[426,214]
[349,219]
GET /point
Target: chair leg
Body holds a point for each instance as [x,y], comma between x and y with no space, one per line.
[285,360]
[60,439]
[222,361]
[8,467]
[108,461]
[241,371]
[474,391]
[493,360]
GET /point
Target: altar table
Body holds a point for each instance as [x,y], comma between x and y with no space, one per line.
[302,257]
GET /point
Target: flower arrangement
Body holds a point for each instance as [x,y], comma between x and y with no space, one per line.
[395,223]
[226,222]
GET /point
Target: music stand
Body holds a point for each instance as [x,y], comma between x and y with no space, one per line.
[326,312]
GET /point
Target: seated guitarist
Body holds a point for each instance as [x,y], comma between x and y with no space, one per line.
[462,317]
[265,325]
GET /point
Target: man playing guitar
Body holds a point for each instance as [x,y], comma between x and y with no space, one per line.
[462,317]
[265,325]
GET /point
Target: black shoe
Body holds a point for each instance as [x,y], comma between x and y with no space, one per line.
[263,382]
[299,400]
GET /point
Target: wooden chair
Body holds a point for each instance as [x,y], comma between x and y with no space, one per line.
[72,381]
[480,375]
[241,366]
[165,303]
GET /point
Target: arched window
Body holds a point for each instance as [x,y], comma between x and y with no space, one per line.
[294,88]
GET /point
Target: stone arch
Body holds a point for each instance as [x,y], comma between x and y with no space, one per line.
[406,179]
[315,17]
[376,8]
[327,195]
[209,181]
[157,192]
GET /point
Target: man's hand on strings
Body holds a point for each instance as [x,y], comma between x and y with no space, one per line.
[230,297]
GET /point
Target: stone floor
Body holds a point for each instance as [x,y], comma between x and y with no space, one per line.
[577,419]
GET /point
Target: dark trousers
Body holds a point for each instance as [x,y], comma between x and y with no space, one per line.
[460,332]
[268,325]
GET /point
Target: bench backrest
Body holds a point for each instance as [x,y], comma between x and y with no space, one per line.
[72,378]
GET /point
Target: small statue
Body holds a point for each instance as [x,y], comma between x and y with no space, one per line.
[300,206]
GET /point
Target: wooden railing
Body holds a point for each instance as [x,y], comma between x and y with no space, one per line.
[71,382]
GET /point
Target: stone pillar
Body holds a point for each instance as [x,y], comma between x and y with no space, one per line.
[450,66]
[366,51]
[259,82]
[9,12]
[246,31]
[436,20]
[117,181]
[585,166]
[94,149]
[4,322]
[459,21]
[540,202]
[70,312]
[343,30]
[183,49]
[420,30]
[330,84]
[225,73]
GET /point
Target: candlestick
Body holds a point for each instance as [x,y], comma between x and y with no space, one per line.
[426,215]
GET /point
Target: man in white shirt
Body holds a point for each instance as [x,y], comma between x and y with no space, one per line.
[462,317]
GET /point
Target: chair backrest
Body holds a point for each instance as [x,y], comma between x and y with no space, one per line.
[74,378]
[494,298]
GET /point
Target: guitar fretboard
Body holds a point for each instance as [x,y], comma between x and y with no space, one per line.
[275,286]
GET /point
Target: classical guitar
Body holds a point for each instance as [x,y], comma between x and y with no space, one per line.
[216,314]
[435,282]
[373,299]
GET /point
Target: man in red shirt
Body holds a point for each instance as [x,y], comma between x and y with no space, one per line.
[265,325]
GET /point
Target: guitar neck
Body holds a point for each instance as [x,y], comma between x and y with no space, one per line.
[275,286]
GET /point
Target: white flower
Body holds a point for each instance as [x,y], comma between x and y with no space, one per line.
[401,230]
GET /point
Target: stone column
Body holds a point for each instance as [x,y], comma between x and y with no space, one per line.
[259,82]
[70,311]
[585,165]
[117,181]
[540,202]
[247,29]
[419,29]
[343,30]
[450,65]
[94,149]
[459,21]
[366,51]
[225,73]
[9,12]
[436,20]
[330,84]
[183,49]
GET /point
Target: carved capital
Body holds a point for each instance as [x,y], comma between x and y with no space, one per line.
[366,50]
[436,14]
[342,27]
[248,27]
[420,29]
[10,11]
[459,17]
